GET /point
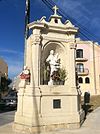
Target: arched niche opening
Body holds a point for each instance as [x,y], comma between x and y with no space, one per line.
[59,49]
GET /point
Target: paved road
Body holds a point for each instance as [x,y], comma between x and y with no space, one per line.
[91,124]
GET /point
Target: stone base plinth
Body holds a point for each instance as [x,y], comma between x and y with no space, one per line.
[38,129]
[21,126]
[37,111]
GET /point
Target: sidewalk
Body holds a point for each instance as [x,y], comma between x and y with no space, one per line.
[6,121]
[91,124]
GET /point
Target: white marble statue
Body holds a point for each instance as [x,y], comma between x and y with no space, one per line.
[54,63]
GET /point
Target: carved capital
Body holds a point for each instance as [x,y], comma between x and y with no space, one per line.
[73,46]
[36,39]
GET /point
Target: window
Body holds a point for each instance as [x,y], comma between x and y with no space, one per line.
[87,80]
[80,67]
[79,53]
[80,79]
[57,103]
[56,21]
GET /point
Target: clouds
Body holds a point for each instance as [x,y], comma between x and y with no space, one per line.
[10,51]
[15,68]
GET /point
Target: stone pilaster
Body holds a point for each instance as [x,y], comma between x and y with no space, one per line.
[35,70]
[20,99]
[72,65]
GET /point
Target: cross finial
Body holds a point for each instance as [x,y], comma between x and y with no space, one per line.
[55,8]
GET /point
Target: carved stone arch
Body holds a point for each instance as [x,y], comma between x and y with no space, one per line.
[58,47]
[52,41]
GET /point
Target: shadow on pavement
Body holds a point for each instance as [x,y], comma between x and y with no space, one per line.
[87,109]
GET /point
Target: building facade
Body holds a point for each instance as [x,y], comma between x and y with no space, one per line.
[3,70]
[88,63]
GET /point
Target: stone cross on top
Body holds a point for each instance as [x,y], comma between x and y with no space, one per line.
[55,8]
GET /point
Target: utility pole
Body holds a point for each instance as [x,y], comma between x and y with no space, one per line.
[26,33]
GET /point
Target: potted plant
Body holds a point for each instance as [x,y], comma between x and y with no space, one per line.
[62,75]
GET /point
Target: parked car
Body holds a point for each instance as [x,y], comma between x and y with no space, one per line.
[9,101]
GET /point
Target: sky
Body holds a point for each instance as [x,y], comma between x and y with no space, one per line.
[82,13]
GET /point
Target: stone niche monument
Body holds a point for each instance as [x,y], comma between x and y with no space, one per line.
[48,96]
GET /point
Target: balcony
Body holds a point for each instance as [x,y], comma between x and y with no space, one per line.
[82,71]
[81,59]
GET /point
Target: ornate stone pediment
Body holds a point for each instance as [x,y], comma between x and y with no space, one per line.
[43,19]
[69,24]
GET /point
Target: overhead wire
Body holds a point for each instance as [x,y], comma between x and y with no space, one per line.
[83,30]
[64,17]
[51,5]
